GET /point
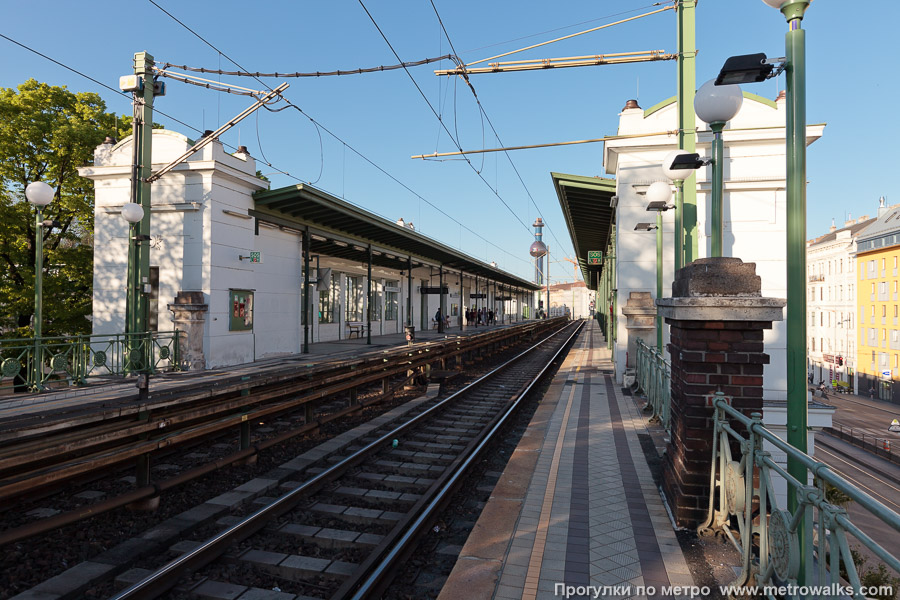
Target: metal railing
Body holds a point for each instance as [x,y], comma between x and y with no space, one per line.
[73,359]
[886,448]
[743,506]
[653,374]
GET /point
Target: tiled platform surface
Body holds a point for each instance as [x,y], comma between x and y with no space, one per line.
[101,391]
[576,504]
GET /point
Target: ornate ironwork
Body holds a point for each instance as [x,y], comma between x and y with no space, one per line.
[73,359]
[653,376]
[746,499]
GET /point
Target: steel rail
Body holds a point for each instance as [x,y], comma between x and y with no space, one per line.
[183,426]
[377,575]
[168,575]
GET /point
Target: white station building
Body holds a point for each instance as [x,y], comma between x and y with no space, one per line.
[754,203]
[230,252]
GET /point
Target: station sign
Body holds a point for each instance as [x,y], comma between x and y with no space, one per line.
[886,374]
[595,257]
[433,289]
[829,358]
[478,296]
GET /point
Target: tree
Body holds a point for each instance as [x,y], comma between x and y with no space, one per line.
[46,133]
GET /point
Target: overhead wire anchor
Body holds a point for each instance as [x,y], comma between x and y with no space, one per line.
[207,139]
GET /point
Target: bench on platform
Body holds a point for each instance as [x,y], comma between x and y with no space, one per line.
[357,327]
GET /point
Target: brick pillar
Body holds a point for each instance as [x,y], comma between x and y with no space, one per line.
[717,317]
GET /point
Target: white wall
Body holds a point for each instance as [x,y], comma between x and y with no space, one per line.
[754,209]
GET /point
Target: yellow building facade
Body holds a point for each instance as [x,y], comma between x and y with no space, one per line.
[878,307]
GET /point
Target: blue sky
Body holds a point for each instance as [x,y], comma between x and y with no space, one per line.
[852,86]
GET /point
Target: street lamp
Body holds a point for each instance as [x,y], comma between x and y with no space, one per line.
[40,194]
[795,125]
[133,213]
[659,194]
[677,176]
[754,67]
[716,105]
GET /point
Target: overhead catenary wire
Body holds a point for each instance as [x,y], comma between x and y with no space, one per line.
[579,24]
[338,138]
[208,84]
[358,71]
[437,116]
[571,35]
[484,116]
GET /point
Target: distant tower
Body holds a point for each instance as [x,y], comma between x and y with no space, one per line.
[538,249]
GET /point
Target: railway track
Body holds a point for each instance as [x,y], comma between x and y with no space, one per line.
[40,456]
[342,532]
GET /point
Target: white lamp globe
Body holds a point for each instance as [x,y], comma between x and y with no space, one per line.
[675,174]
[774,3]
[132,212]
[39,193]
[659,191]
[718,103]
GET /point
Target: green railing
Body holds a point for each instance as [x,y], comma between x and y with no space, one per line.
[744,507]
[653,375]
[73,359]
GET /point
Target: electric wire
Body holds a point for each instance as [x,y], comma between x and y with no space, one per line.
[430,106]
[278,75]
[130,99]
[540,33]
[484,116]
[338,138]
[97,81]
[206,83]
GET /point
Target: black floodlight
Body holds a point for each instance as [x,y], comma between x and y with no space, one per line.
[689,161]
[644,227]
[747,68]
[660,206]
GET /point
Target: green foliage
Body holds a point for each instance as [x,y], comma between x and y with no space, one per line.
[259,175]
[46,133]
[875,577]
[836,496]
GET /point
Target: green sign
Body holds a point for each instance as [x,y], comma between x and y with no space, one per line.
[595,257]
[255,257]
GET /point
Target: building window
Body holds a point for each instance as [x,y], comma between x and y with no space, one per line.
[882,264]
[375,305]
[354,299]
[884,310]
[813,340]
[329,300]
[873,313]
[391,300]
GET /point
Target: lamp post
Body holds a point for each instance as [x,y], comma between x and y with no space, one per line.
[677,176]
[40,195]
[658,195]
[716,105]
[133,213]
[752,68]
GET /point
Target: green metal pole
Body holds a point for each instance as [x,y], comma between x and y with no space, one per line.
[369,297]
[679,224]
[718,152]
[795,46]
[659,278]
[136,317]
[38,296]
[687,123]
[306,308]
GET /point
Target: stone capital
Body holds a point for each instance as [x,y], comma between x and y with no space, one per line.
[722,308]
